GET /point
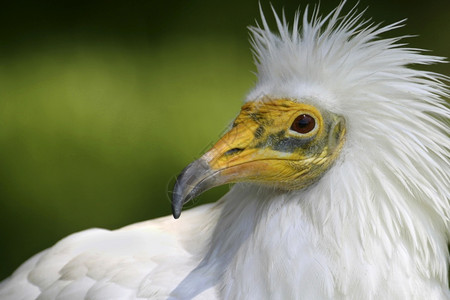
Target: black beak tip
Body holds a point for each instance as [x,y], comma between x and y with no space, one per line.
[177,205]
[176,212]
[196,178]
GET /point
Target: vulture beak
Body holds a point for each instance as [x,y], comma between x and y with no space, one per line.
[280,143]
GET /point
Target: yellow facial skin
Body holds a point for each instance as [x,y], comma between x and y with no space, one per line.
[261,147]
[264,146]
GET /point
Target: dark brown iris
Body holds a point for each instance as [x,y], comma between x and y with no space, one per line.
[303,124]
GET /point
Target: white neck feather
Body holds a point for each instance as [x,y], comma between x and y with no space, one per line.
[317,241]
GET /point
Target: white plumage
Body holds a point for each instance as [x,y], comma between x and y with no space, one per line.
[375,226]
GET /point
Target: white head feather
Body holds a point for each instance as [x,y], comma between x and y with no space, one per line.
[392,180]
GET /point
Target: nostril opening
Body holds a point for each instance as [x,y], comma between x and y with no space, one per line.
[234,151]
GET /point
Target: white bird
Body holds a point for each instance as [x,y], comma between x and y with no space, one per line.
[340,157]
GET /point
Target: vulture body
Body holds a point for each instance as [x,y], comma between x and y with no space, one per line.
[340,159]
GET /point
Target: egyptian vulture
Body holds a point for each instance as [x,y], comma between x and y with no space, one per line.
[341,168]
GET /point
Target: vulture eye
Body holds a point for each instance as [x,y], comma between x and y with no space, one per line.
[303,124]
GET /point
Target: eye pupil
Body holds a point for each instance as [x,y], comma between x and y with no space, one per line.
[303,124]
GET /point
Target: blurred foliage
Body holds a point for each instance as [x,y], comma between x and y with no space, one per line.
[102,104]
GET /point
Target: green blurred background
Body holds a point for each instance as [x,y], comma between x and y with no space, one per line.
[102,103]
